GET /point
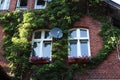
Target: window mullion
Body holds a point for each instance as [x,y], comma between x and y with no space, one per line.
[41,48]
[78,43]
[78,33]
[78,48]
[42,43]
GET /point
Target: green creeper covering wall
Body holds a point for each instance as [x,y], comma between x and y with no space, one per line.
[18,27]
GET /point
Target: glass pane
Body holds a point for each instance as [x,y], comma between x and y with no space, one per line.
[2,4]
[84,48]
[73,34]
[47,36]
[83,33]
[40,2]
[73,49]
[2,1]
[23,2]
[36,48]
[37,35]
[47,49]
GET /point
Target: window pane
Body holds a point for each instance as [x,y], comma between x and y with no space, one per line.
[36,48]
[23,2]
[40,2]
[83,33]
[84,48]
[2,4]
[46,49]
[37,35]
[47,36]
[73,34]
[2,1]
[73,49]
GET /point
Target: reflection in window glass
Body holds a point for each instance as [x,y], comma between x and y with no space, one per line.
[36,47]
[2,3]
[84,48]
[47,36]
[73,34]
[37,35]
[46,49]
[83,33]
[73,48]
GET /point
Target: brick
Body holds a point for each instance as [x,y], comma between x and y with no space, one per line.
[108,70]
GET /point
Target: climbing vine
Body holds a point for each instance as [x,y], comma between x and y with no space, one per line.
[18,27]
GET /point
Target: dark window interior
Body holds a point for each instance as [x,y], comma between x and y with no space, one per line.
[23,2]
[40,2]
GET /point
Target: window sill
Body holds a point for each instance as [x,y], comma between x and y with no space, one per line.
[37,60]
[21,8]
[40,7]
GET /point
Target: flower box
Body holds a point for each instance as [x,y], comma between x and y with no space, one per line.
[78,59]
[39,60]
[71,60]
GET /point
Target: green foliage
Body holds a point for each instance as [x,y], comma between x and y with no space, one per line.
[19,26]
[110,36]
[94,2]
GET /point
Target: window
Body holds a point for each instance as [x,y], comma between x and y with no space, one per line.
[4,4]
[40,4]
[21,4]
[41,42]
[79,43]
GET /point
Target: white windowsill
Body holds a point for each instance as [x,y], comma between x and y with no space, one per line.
[21,8]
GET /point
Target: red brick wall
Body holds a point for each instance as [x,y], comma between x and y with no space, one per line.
[94,29]
[13,4]
[30,5]
[109,69]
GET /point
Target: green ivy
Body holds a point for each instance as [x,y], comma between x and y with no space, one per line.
[19,26]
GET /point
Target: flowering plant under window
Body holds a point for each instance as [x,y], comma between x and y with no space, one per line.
[39,60]
[83,59]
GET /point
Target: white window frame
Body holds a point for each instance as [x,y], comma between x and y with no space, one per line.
[20,7]
[42,40]
[78,39]
[5,5]
[39,6]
